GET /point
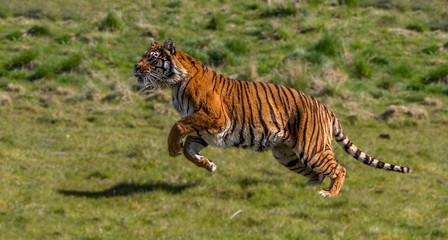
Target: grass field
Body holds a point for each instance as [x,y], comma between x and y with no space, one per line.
[83,155]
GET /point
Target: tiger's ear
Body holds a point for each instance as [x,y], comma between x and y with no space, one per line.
[153,43]
[169,45]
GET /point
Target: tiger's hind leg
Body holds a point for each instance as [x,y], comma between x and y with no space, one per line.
[325,163]
[288,158]
[191,149]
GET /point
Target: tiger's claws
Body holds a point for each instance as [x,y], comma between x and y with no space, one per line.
[212,167]
[324,193]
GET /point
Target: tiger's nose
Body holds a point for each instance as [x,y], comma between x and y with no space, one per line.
[137,69]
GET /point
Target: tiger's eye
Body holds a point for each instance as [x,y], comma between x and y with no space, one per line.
[152,58]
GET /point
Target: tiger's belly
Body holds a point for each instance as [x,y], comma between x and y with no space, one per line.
[245,137]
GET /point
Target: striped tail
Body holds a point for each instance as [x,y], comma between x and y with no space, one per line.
[355,152]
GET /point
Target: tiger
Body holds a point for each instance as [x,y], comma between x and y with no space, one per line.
[219,111]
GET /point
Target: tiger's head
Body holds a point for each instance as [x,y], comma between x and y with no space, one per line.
[159,67]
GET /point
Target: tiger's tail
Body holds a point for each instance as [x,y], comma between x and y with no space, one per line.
[355,152]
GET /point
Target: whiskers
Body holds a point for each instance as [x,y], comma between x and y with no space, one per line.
[152,83]
[147,89]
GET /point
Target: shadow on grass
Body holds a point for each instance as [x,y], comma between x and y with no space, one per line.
[125,189]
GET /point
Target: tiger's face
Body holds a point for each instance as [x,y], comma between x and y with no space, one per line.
[158,68]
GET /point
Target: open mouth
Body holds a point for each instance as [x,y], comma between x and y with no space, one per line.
[145,86]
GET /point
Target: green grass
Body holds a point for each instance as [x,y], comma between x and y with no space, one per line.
[39,30]
[111,23]
[14,36]
[279,11]
[5,12]
[22,60]
[217,22]
[84,156]
[439,74]
[328,45]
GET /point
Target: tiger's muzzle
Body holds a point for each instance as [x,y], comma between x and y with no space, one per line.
[138,73]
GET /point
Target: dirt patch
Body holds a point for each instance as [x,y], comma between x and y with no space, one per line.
[5,99]
[433,102]
[47,100]
[400,112]
[94,94]
[64,91]
[15,88]
[336,76]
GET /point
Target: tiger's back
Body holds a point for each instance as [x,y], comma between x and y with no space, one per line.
[216,110]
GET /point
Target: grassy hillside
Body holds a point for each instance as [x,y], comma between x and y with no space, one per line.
[83,155]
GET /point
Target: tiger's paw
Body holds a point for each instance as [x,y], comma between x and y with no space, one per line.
[175,149]
[325,193]
[211,167]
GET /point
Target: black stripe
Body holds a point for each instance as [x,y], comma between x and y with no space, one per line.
[199,108]
[341,138]
[320,161]
[294,126]
[233,111]
[357,154]
[310,140]
[292,163]
[197,131]
[260,116]
[287,105]
[181,99]
[223,85]
[380,165]
[274,98]
[348,145]
[214,74]
[188,105]
[251,121]
[243,117]
[325,171]
[230,90]
[200,141]
[368,160]
[260,112]
[232,83]
[214,84]
[274,119]
[306,112]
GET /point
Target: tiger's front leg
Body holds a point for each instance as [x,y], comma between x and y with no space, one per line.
[193,126]
[193,145]
[175,140]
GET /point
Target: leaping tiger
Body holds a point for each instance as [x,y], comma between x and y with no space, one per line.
[216,110]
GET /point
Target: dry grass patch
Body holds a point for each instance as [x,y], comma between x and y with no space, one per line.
[15,88]
[328,84]
[5,99]
[400,112]
[64,91]
[434,102]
